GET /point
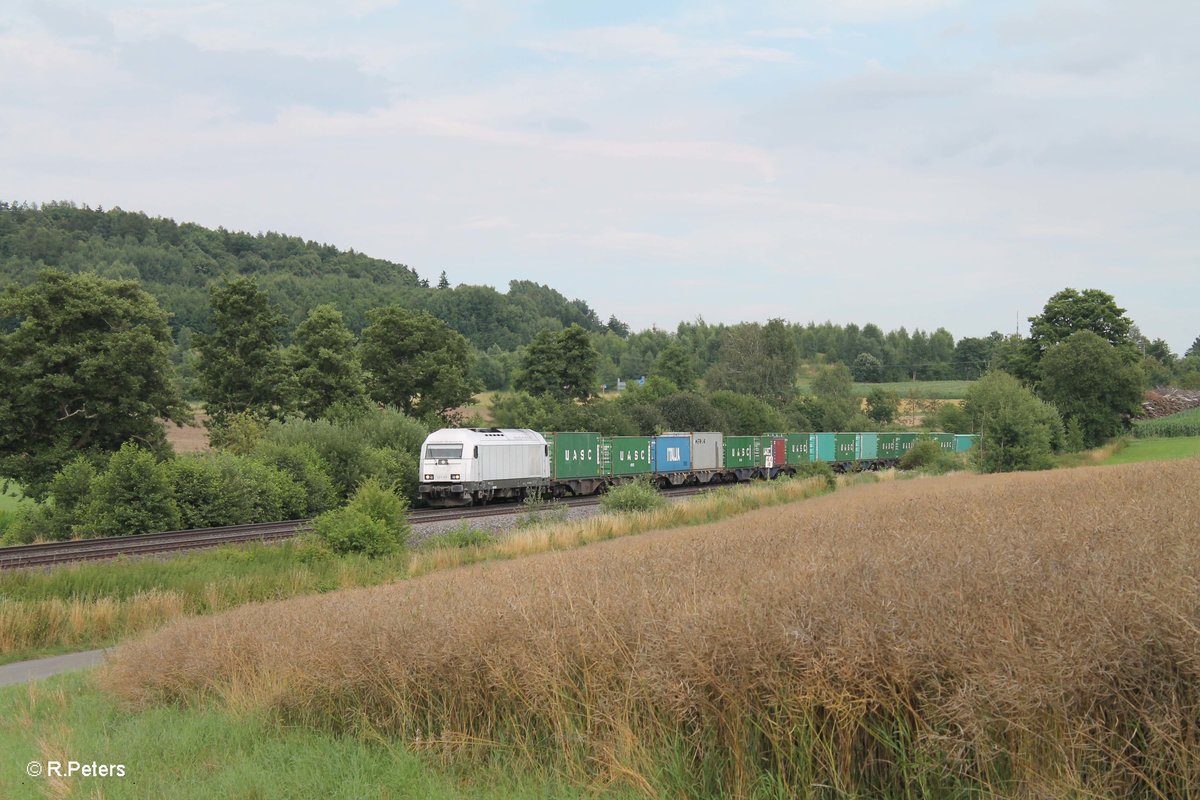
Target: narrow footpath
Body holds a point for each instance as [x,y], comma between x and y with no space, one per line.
[24,671]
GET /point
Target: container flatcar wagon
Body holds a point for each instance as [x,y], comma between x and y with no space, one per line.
[464,466]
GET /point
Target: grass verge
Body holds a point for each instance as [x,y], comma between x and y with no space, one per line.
[197,754]
[1157,449]
[78,607]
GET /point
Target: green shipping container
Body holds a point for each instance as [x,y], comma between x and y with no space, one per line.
[798,448]
[868,445]
[887,446]
[904,442]
[945,441]
[965,441]
[846,446]
[743,452]
[577,455]
[630,455]
[824,447]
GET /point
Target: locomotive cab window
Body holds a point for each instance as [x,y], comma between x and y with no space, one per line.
[444,451]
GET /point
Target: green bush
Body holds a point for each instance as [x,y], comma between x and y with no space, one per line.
[349,531]
[818,469]
[882,405]
[382,504]
[952,418]
[306,467]
[132,495]
[377,443]
[1018,430]
[746,414]
[32,524]
[60,517]
[637,495]
[927,456]
[238,433]
[393,468]
[226,489]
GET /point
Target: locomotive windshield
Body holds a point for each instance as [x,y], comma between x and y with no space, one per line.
[444,451]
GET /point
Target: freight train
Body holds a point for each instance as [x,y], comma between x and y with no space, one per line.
[473,466]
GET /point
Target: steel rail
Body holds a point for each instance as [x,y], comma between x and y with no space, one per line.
[51,553]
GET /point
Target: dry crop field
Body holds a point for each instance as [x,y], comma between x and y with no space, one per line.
[1031,635]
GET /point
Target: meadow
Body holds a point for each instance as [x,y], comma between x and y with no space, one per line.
[11,498]
[93,604]
[1012,635]
[1156,449]
[199,754]
[919,390]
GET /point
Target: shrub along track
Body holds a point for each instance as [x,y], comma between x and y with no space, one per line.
[53,553]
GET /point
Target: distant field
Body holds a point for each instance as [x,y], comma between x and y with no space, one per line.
[1185,423]
[11,499]
[924,390]
[1159,449]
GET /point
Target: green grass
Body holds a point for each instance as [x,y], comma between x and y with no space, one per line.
[923,390]
[1156,450]
[245,573]
[1185,423]
[11,498]
[88,605]
[198,753]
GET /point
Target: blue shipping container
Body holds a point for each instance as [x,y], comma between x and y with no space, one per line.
[672,453]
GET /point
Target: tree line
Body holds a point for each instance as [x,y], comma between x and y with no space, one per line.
[91,364]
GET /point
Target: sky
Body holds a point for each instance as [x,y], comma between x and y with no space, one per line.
[924,163]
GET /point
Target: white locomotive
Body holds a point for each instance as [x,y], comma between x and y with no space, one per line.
[462,466]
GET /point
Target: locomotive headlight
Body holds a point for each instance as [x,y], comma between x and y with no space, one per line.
[428,477]
[455,476]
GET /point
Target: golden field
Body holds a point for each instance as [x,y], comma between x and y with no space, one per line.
[1029,635]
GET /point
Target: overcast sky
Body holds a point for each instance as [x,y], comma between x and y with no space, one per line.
[918,162]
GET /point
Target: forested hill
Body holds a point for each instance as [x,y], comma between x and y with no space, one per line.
[178,262]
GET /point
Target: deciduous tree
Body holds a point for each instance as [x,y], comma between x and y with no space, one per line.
[882,405]
[677,365]
[759,360]
[325,364]
[834,398]
[1089,381]
[1068,312]
[560,364]
[85,369]
[1018,430]
[415,362]
[242,367]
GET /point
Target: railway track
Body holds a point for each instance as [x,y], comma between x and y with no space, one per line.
[52,553]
